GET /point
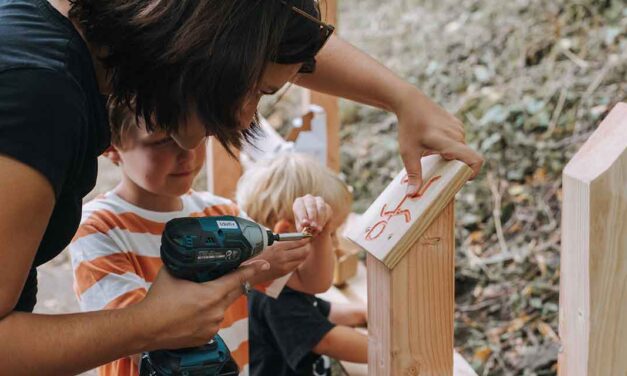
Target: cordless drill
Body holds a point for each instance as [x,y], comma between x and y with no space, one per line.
[201,250]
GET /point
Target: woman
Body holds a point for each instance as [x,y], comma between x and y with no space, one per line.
[196,68]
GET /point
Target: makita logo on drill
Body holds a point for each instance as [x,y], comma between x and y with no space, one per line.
[227,224]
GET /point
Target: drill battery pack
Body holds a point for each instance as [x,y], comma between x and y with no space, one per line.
[212,359]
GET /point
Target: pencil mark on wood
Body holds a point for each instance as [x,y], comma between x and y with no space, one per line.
[430,241]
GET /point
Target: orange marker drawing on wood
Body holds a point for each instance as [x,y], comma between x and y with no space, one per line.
[377,229]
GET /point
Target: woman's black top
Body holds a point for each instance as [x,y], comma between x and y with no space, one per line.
[52,116]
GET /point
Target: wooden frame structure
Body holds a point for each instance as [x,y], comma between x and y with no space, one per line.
[593,284]
[411,272]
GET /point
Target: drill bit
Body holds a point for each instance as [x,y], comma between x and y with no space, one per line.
[292,236]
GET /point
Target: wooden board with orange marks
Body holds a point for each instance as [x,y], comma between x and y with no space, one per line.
[395,221]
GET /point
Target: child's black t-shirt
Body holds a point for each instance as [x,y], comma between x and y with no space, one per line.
[284,331]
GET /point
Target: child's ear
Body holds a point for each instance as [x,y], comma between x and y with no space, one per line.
[283,226]
[113,155]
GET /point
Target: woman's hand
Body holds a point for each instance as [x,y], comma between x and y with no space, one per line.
[425,128]
[182,313]
[311,213]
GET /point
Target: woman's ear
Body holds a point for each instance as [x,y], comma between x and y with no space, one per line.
[283,226]
[113,155]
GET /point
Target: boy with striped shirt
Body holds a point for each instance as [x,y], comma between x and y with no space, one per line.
[115,252]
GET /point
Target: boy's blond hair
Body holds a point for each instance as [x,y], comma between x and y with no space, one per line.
[268,189]
[122,122]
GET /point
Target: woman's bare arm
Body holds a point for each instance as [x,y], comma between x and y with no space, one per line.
[34,344]
[424,127]
[315,274]
[188,313]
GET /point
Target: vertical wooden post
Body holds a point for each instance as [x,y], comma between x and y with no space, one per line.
[223,171]
[332,109]
[593,284]
[329,103]
[411,271]
[411,326]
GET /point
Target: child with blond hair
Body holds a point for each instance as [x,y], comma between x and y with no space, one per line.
[115,253]
[288,335]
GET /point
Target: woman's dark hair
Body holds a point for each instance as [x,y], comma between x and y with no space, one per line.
[170,58]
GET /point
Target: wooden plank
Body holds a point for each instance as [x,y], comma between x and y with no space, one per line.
[305,126]
[410,308]
[593,284]
[461,366]
[395,221]
[355,291]
[328,8]
[223,171]
[346,261]
[312,141]
[355,369]
[332,109]
[329,103]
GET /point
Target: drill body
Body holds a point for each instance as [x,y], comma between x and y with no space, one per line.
[206,248]
[203,249]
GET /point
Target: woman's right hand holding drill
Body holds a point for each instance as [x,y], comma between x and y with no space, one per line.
[178,313]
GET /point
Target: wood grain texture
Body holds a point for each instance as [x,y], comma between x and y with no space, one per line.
[355,291]
[223,171]
[346,261]
[332,108]
[593,284]
[411,307]
[394,222]
[328,8]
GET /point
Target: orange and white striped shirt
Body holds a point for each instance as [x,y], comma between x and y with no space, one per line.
[115,257]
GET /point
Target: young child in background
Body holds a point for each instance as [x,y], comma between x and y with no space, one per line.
[289,334]
[115,253]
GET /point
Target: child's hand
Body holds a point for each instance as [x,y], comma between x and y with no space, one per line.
[284,257]
[311,214]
